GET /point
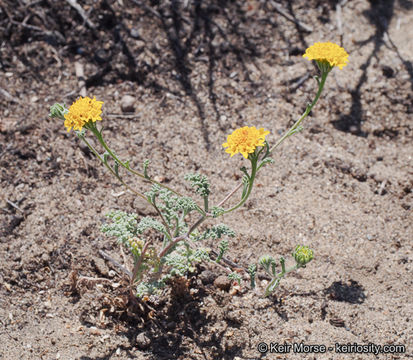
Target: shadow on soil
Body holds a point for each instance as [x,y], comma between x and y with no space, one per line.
[379,15]
[352,293]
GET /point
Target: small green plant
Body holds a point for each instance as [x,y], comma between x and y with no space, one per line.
[302,255]
[179,218]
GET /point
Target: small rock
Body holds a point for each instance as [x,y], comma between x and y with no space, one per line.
[235,317]
[160,179]
[193,292]
[45,258]
[100,266]
[102,56]
[140,44]
[127,104]
[142,341]
[134,33]
[142,207]
[222,282]
[207,277]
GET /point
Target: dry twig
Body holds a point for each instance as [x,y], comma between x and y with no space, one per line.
[14,205]
[80,78]
[8,96]
[74,4]
[114,262]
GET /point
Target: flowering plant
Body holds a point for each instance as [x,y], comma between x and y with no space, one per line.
[182,236]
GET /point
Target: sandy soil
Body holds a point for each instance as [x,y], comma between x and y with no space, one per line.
[198,70]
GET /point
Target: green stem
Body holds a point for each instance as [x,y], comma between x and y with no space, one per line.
[99,136]
[250,185]
[165,224]
[278,278]
[306,112]
[176,240]
[111,170]
[206,203]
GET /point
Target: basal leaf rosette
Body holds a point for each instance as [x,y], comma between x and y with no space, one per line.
[245,140]
[83,112]
[327,55]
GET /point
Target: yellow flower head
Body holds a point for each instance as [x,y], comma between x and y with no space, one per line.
[82,111]
[328,52]
[245,140]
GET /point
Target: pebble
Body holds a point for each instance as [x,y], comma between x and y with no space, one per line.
[142,207]
[101,266]
[142,341]
[127,104]
[159,179]
[45,258]
[222,282]
[134,33]
[207,277]
[235,316]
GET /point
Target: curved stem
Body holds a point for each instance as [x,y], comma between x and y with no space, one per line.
[250,185]
[111,170]
[278,277]
[230,194]
[176,240]
[306,112]
[165,224]
[167,229]
[99,136]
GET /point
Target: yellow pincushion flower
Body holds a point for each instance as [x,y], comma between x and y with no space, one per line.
[245,140]
[82,111]
[328,52]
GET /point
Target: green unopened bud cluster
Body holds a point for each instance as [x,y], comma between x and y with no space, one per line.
[303,255]
[58,111]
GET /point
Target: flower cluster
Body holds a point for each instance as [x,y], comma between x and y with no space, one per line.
[327,52]
[82,111]
[245,140]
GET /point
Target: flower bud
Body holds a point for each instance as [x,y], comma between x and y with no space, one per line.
[303,255]
[58,111]
[268,263]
